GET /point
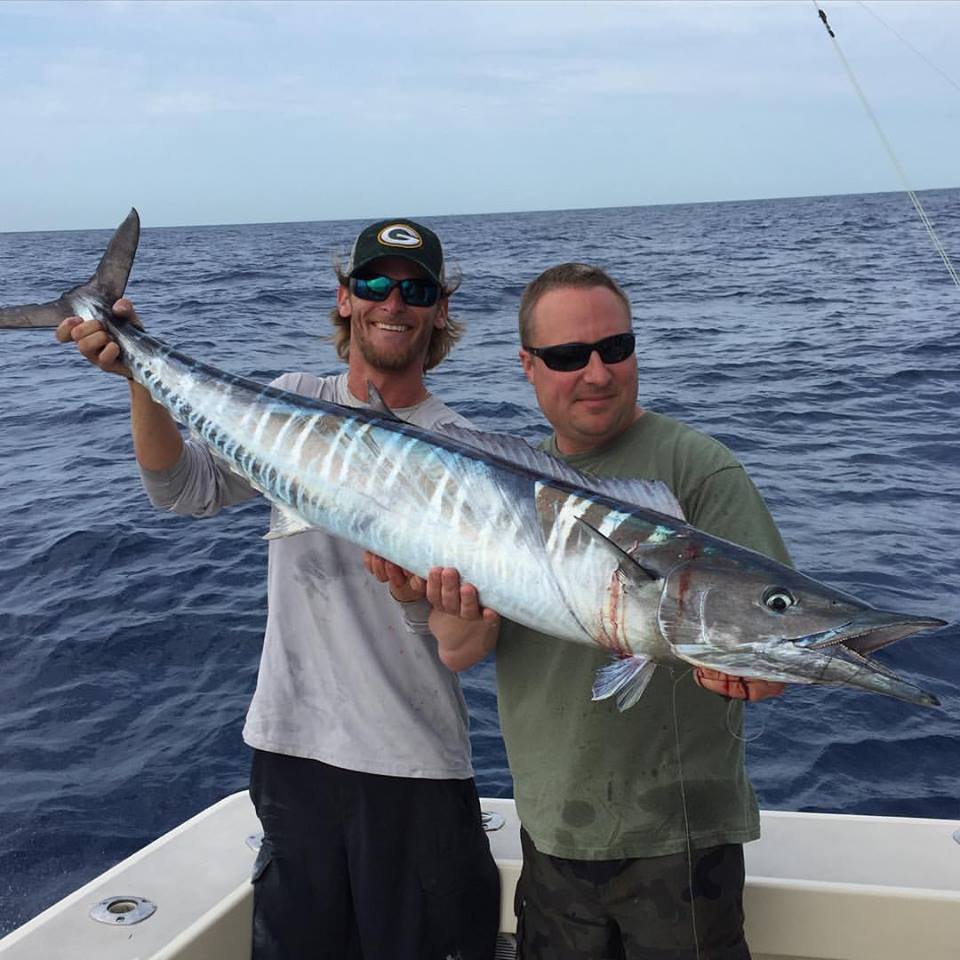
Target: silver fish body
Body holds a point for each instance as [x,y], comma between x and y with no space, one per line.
[418,498]
[607,563]
[590,560]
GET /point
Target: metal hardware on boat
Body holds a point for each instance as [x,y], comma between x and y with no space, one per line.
[123,910]
[255,840]
[491,821]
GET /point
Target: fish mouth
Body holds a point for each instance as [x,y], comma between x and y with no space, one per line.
[872,630]
[869,631]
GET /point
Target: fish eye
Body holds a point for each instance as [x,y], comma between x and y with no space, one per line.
[778,599]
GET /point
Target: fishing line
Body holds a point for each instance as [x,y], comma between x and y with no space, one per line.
[918,206]
[731,706]
[683,804]
[683,793]
[908,44]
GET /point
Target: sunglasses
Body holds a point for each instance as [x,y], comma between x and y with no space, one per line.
[575,356]
[414,292]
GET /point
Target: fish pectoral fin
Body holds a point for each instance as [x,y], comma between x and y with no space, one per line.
[627,677]
[629,566]
[286,524]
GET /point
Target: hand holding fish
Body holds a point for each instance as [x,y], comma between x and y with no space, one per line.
[736,688]
[93,341]
[465,630]
[448,596]
[404,586]
[156,439]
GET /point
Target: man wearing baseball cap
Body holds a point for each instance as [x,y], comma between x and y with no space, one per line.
[362,778]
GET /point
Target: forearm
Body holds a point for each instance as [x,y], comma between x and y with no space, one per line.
[462,643]
[156,439]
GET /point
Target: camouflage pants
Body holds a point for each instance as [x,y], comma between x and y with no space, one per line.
[637,909]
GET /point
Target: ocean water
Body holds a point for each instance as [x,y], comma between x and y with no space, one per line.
[818,338]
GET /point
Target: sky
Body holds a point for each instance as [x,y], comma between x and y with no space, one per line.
[239,112]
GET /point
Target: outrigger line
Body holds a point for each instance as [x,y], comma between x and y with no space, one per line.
[876,16]
[914,199]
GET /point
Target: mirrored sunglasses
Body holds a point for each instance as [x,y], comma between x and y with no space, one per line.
[575,356]
[415,292]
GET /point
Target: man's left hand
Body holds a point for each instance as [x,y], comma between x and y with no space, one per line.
[736,688]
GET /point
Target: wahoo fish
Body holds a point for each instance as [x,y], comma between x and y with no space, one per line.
[599,561]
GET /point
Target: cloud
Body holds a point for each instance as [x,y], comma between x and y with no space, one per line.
[461,103]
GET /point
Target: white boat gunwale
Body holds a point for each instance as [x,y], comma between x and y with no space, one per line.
[198,876]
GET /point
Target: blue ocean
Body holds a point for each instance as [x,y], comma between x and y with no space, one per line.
[818,338]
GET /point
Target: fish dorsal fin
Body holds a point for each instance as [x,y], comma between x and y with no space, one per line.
[514,450]
[376,403]
[647,494]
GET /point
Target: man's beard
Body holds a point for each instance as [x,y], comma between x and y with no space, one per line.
[396,358]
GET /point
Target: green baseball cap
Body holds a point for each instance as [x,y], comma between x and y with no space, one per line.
[402,238]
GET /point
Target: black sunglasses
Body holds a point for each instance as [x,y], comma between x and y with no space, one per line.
[575,356]
[415,292]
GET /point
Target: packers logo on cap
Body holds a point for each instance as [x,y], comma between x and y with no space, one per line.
[399,235]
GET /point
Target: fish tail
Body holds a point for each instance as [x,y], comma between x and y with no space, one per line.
[104,288]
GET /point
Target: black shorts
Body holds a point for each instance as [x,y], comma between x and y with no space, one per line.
[634,909]
[355,865]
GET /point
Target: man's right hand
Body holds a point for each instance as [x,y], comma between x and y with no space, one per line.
[156,439]
[94,342]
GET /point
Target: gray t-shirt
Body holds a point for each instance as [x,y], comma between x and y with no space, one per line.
[342,679]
